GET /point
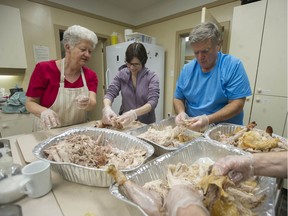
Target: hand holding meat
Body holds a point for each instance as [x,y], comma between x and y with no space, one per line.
[180,118]
[198,123]
[127,117]
[184,197]
[107,115]
[238,168]
[49,119]
[82,101]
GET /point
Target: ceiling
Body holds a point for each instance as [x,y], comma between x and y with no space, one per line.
[132,12]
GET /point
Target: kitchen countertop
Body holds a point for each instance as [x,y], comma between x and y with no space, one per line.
[13,116]
[66,198]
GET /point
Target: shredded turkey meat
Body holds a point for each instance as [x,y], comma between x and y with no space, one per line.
[254,140]
[220,195]
[168,136]
[118,126]
[98,153]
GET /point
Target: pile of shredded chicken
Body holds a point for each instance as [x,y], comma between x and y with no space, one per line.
[220,195]
[168,136]
[254,140]
[116,125]
[84,150]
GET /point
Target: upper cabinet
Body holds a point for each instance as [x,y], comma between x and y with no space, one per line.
[272,71]
[12,50]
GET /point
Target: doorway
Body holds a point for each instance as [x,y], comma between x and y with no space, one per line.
[96,63]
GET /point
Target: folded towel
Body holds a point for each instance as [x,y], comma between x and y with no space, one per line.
[15,104]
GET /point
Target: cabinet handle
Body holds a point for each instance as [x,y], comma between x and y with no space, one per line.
[259,90]
[247,99]
[258,100]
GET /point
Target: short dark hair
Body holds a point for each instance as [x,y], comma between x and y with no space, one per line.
[136,50]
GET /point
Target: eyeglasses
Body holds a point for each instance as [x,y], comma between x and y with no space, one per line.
[133,64]
[205,51]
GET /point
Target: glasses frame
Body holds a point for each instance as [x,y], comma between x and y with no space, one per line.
[135,65]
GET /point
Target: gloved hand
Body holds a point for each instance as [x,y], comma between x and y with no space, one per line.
[198,123]
[127,117]
[82,101]
[182,196]
[107,115]
[180,118]
[238,168]
[49,119]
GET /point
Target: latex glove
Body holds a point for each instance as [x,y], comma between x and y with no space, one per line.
[82,101]
[238,168]
[180,118]
[182,196]
[127,117]
[198,123]
[49,119]
[107,115]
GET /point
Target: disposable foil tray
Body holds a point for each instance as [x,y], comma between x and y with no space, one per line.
[199,148]
[86,175]
[225,128]
[160,149]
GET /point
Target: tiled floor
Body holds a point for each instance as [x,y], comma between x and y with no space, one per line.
[282,209]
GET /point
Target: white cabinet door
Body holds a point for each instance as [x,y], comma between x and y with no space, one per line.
[246,36]
[272,72]
[12,50]
[270,111]
[245,42]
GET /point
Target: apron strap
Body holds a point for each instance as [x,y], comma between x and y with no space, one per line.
[62,76]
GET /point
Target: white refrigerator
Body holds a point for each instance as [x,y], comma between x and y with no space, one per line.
[115,57]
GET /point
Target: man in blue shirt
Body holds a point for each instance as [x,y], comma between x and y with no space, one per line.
[213,87]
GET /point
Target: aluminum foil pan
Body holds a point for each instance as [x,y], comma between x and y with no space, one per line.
[225,128]
[160,149]
[199,148]
[86,175]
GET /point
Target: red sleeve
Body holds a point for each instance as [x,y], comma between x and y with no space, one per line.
[44,83]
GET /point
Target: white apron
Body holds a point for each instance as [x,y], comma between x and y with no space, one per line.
[64,104]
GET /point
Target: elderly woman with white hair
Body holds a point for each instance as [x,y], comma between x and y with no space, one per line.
[60,92]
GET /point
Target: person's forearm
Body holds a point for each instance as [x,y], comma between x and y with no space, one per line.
[178,106]
[34,108]
[272,164]
[143,110]
[230,110]
[107,102]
